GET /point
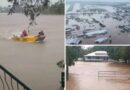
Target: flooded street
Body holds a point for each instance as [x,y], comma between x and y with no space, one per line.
[33,63]
[81,20]
[84,76]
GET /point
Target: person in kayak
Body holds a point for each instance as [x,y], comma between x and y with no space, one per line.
[41,36]
[24,33]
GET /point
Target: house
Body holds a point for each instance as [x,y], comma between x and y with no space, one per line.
[98,56]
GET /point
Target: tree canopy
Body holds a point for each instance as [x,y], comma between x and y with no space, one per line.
[33,8]
[72,54]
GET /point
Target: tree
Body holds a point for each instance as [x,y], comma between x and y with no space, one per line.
[72,54]
[58,8]
[61,64]
[31,8]
[126,54]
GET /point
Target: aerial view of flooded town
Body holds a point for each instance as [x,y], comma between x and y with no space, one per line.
[97,22]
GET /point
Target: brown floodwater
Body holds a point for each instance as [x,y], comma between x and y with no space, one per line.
[33,63]
[84,76]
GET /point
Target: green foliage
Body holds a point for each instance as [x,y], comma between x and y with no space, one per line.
[126,53]
[115,52]
[72,54]
[33,8]
[60,64]
[57,8]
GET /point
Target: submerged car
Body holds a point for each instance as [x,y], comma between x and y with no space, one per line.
[125,29]
[73,40]
[101,40]
[97,32]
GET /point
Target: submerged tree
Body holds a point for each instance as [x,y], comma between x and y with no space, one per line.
[31,8]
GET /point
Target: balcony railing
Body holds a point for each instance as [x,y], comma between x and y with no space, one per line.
[10,81]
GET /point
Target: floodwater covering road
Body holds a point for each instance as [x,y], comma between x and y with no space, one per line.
[84,76]
[86,23]
[33,63]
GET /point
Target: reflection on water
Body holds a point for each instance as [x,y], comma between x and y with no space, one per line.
[33,63]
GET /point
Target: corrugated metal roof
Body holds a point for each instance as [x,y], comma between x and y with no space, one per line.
[98,53]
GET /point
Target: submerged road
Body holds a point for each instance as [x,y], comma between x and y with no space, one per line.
[84,76]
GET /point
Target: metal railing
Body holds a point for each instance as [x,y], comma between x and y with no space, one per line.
[113,74]
[10,86]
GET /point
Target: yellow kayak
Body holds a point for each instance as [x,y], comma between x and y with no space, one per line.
[29,38]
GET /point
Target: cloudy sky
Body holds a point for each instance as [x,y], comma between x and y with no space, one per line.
[4,3]
[103,0]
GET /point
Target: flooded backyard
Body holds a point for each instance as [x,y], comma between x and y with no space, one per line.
[33,63]
[84,76]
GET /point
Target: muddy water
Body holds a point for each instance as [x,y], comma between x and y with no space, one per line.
[84,76]
[33,63]
[111,25]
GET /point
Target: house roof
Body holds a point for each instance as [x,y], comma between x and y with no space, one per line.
[98,53]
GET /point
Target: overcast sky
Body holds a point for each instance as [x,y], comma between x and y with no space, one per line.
[103,0]
[4,3]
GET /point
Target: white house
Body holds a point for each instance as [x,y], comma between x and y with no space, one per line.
[97,56]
